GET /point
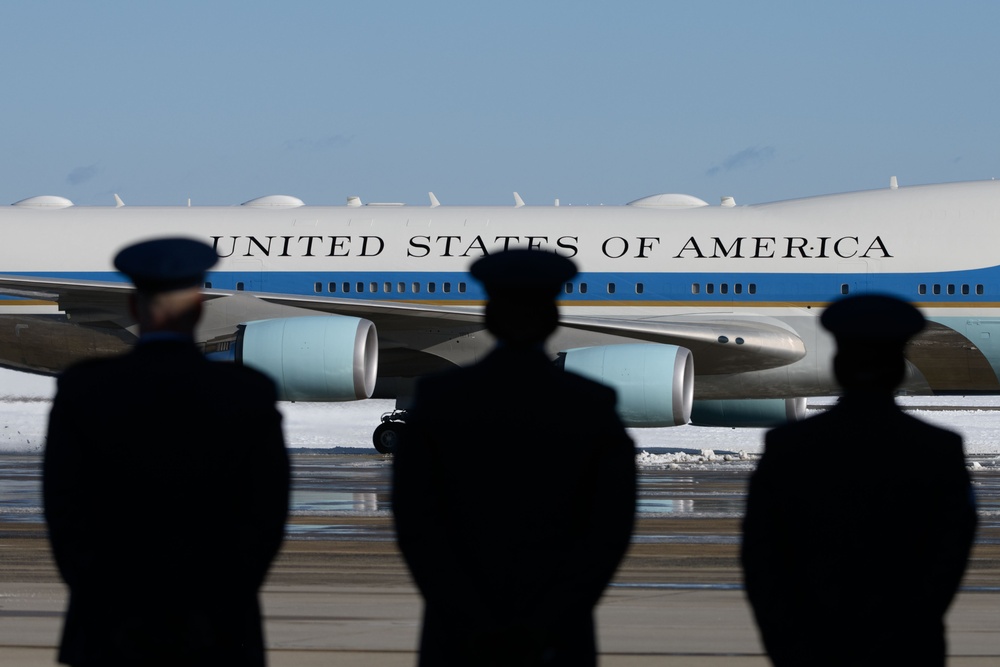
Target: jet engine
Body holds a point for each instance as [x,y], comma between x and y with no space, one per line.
[655,383]
[321,358]
[748,413]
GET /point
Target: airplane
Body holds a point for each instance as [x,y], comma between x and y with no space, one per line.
[694,313]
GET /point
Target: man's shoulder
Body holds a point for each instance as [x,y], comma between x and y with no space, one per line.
[494,373]
[814,422]
[89,369]
[131,366]
[833,423]
[242,378]
[918,430]
[585,384]
[442,380]
[808,430]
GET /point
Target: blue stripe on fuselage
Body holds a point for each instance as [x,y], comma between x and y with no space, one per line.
[971,288]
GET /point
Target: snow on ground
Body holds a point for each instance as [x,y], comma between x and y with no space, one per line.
[25,403]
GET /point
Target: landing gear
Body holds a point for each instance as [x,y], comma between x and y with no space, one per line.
[387,434]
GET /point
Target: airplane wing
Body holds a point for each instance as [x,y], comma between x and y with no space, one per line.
[84,300]
[49,289]
[720,344]
[90,301]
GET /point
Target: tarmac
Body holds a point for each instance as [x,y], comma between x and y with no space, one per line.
[349,601]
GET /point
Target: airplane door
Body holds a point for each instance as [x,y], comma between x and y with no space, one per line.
[248,275]
[854,277]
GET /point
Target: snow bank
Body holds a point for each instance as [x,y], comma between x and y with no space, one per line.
[25,402]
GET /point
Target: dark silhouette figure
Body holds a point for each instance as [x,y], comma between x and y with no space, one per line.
[514,488]
[165,485]
[860,520]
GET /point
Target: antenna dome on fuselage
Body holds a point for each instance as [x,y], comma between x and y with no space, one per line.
[275,201]
[669,200]
[44,201]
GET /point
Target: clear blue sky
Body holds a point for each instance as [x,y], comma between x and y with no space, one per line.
[588,102]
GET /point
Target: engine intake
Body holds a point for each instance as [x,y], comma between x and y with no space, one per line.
[655,383]
[321,358]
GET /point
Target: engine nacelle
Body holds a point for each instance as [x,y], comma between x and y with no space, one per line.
[748,413]
[321,358]
[655,383]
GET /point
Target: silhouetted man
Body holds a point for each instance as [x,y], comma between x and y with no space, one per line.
[514,488]
[165,485]
[859,521]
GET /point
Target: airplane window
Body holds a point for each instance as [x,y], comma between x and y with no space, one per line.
[611,288]
[921,289]
[461,288]
[386,287]
[695,288]
[965,289]
[710,288]
[401,287]
[845,288]
[331,287]
[951,289]
[936,289]
[431,287]
[979,289]
[752,288]
[583,288]
[208,285]
[373,287]
[568,288]
[738,288]
[239,286]
[415,288]
[724,288]
[347,287]
[446,288]
[638,288]
[317,287]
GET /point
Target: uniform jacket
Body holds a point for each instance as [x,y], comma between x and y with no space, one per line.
[514,496]
[166,490]
[858,526]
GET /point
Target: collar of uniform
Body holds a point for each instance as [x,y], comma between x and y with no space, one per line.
[165,336]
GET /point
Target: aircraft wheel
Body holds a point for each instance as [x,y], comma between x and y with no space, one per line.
[386,437]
